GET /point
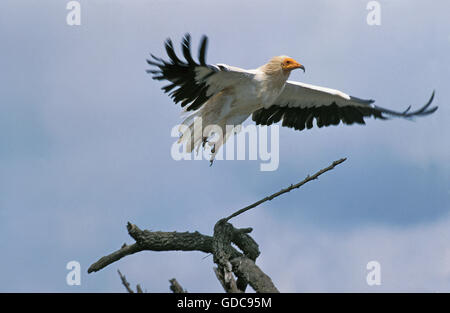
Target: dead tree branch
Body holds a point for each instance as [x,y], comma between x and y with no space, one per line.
[291,187]
[176,287]
[219,246]
[245,268]
[235,269]
[126,284]
[156,241]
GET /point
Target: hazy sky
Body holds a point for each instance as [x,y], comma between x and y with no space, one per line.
[85,146]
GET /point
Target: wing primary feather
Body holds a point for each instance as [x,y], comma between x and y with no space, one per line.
[420,112]
[186,47]
[202,51]
[156,58]
[171,52]
[182,73]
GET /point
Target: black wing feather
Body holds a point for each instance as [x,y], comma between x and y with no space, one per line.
[183,87]
[332,114]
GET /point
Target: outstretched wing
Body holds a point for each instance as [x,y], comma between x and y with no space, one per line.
[193,83]
[299,104]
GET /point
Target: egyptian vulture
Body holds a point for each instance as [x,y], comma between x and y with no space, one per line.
[226,95]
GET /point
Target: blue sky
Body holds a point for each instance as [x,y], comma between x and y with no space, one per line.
[85,146]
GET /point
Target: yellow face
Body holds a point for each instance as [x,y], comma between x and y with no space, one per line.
[290,64]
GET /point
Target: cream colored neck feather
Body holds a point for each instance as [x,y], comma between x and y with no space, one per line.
[274,72]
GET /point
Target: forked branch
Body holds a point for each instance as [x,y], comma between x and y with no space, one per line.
[235,269]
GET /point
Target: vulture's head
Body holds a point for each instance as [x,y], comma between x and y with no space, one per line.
[289,64]
[283,64]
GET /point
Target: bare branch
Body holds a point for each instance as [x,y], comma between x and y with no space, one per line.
[113,257]
[246,268]
[222,252]
[246,243]
[224,235]
[219,245]
[125,282]
[156,241]
[228,283]
[176,287]
[279,193]
[235,269]
[170,241]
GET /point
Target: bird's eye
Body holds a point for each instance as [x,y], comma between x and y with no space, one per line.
[288,62]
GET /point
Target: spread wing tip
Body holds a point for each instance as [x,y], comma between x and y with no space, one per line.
[423,111]
[181,73]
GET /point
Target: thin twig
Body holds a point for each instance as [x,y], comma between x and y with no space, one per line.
[279,193]
[125,282]
[176,287]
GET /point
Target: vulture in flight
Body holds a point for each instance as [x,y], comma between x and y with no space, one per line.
[223,95]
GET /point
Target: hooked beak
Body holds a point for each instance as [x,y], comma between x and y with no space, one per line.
[300,66]
[290,64]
